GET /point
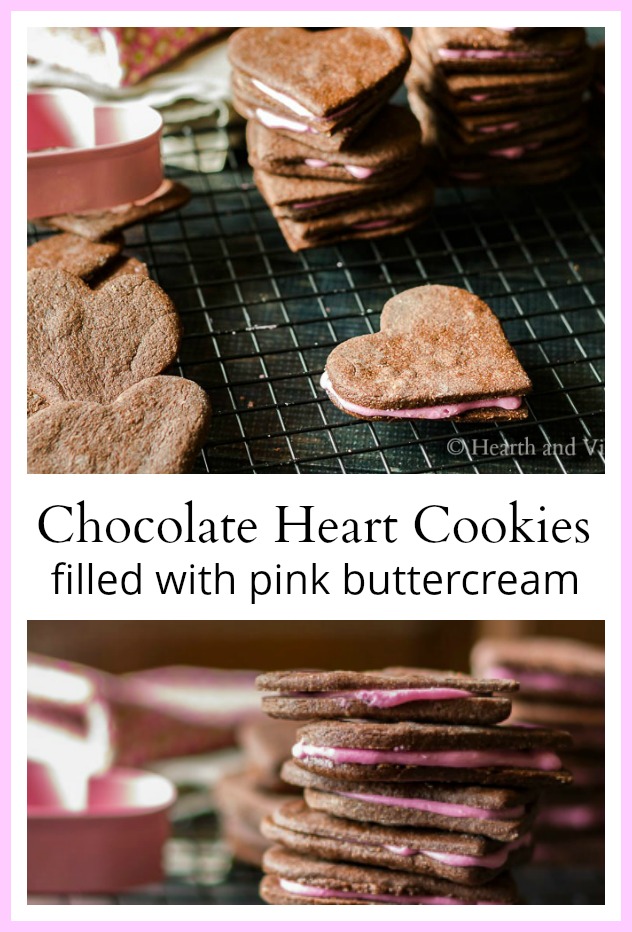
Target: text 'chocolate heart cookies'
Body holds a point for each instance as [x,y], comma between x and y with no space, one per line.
[156,426]
[88,345]
[441,353]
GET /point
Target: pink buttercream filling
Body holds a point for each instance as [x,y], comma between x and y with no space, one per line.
[357,171]
[454,810]
[514,152]
[550,680]
[491,54]
[499,127]
[274,121]
[532,759]
[374,224]
[581,816]
[388,698]
[495,859]
[299,109]
[317,202]
[432,413]
[303,889]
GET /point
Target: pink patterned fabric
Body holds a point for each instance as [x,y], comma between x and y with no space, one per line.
[143,49]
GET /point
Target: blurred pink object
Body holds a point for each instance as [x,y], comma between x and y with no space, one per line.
[175,711]
[84,157]
[115,56]
[69,729]
[114,843]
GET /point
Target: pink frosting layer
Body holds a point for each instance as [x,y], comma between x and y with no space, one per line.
[551,681]
[495,859]
[432,413]
[514,152]
[297,108]
[454,810]
[500,127]
[532,759]
[492,54]
[357,171]
[303,889]
[581,816]
[388,698]
[317,202]
[375,224]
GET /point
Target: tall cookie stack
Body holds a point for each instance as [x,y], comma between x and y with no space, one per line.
[332,160]
[413,793]
[562,685]
[501,105]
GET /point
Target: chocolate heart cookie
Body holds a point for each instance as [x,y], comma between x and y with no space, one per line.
[98,224]
[440,353]
[321,86]
[156,426]
[86,345]
[75,254]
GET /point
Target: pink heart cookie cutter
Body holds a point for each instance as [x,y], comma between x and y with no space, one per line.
[115,843]
[82,156]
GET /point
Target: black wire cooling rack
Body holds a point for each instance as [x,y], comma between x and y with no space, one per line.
[260,321]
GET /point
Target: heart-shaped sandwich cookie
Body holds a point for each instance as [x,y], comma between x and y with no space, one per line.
[90,345]
[323,86]
[440,353]
[156,426]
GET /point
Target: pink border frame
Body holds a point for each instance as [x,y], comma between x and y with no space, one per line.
[5,388]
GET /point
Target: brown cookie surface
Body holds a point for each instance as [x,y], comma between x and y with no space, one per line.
[341,883]
[457,49]
[124,265]
[386,216]
[324,72]
[302,199]
[389,678]
[92,345]
[99,224]
[239,796]
[561,669]
[493,812]
[72,253]
[267,745]
[156,426]
[438,345]
[462,858]
[501,755]
[388,145]
[421,695]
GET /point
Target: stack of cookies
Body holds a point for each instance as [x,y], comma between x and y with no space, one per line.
[244,799]
[501,105]
[562,685]
[100,333]
[413,793]
[331,158]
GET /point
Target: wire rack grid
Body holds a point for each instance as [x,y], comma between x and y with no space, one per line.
[260,321]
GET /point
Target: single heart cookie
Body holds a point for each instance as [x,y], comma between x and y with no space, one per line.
[323,86]
[124,265]
[441,353]
[75,254]
[98,224]
[156,426]
[86,345]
